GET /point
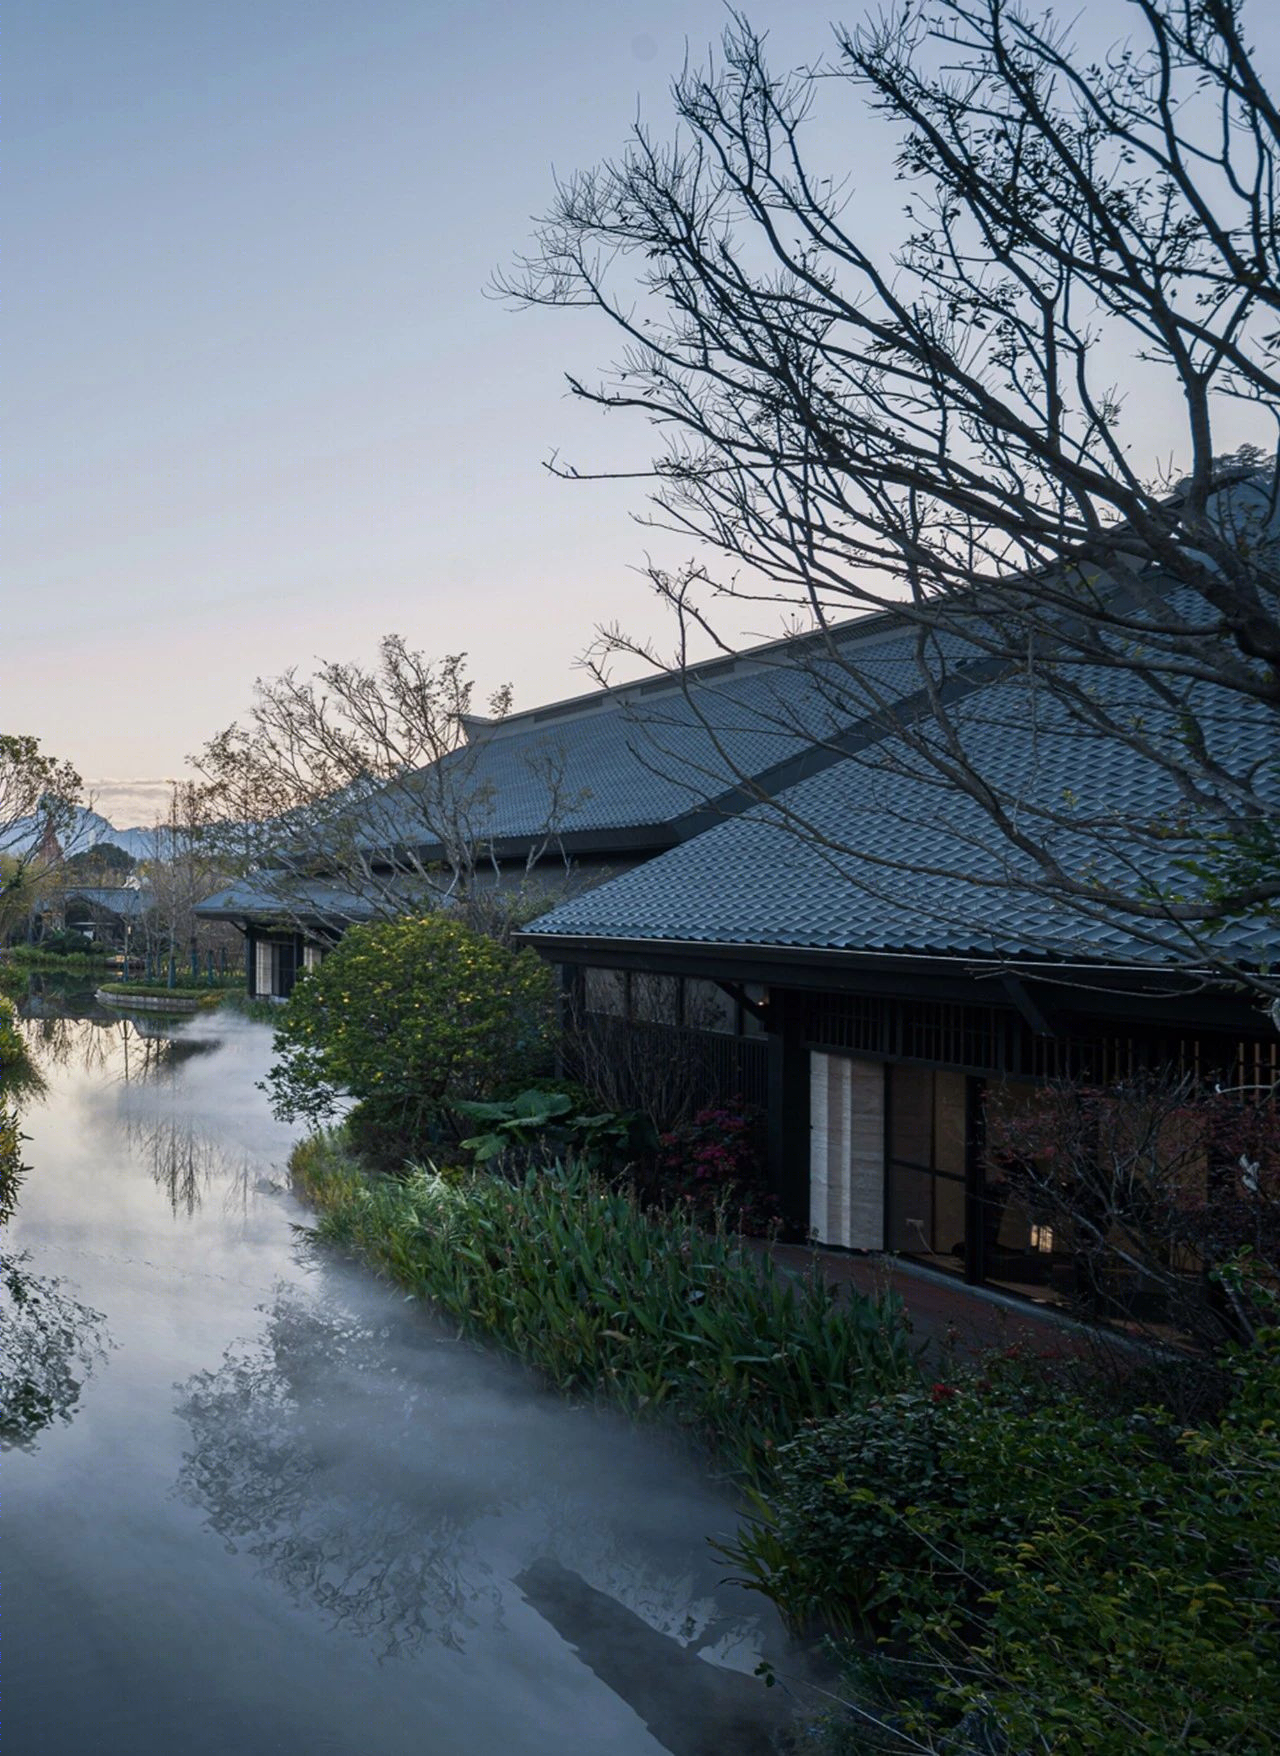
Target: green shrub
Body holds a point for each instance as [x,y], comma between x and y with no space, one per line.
[17,1070]
[69,943]
[836,1541]
[611,1301]
[62,952]
[1046,1576]
[408,1017]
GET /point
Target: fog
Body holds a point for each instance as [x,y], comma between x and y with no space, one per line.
[289,1510]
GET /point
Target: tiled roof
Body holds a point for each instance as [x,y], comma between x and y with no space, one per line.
[649,754]
[892,860]
[264,895]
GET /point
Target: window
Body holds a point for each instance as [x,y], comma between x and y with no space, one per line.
[708,1007]
[655,999]
[927,1133]
[274,968]
[605,991]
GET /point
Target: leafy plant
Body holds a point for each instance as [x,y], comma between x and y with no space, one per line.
[1039,1573]
[544,1120]
[715,1162]
[410,1018]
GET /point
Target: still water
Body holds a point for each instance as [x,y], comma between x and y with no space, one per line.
[266,1505]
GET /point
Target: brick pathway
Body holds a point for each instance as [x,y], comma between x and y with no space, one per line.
[942,1310]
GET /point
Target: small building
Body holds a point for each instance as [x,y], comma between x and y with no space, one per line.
[109,913]
[288,921]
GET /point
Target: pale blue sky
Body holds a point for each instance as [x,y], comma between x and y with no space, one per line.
[259,410]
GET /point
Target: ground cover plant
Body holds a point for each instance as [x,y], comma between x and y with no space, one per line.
[405,1018]
[646,1310]
[1012,1568]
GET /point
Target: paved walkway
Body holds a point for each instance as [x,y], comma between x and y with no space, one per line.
[941,1309]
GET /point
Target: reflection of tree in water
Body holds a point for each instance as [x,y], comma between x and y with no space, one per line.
[183,1161]
[306,1453]
[97,1042]
[49,1343]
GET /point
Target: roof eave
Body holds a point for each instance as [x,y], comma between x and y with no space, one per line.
[833,960]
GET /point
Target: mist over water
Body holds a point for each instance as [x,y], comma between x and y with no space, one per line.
[286,1510]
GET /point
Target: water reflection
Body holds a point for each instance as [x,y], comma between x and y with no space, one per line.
[49,1344]
[49,1340]
[185,1162]
[66,1028]
[295,1459]
[344,1482]
[399,1481]
[692,1707]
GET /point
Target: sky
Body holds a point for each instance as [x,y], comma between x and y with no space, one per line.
[260,410]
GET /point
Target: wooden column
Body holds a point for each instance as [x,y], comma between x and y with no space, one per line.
[788,1121]
[571,1003]
[975,1181]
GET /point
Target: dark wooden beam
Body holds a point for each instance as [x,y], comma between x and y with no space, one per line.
[788,1112]
[1035,1017]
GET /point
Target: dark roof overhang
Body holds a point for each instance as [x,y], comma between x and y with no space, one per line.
[642,838]
[1137,992]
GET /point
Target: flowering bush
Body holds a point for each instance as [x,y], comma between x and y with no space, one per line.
[406,1017]
[714,1162]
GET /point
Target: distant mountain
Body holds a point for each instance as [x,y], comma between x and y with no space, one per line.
[87,831]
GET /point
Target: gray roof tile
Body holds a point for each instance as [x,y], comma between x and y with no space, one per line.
[896,861]
[649,754]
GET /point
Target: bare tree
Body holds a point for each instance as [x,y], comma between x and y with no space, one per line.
[937,428]
[371,784]
[1159,1196]
[185,861]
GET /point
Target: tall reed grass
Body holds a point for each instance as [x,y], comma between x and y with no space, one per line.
[645,1310]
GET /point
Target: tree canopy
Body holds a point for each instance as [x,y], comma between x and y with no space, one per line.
[944,425]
